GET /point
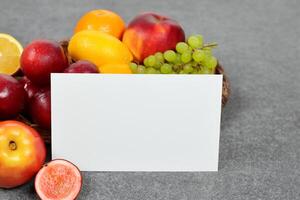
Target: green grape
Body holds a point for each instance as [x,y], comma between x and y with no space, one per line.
[150,70]
[200,38]
[157,64]
[210,62]
[175,67]
[146,62]
[141,69]
[157,71]
[195,71]
[205,61]
[201,70]
[194,64]
[198,55]
[181,47]
[187,68]
[206,58]
[194,42]
[186,57]
[207,51]
[133,67]
[178,59]
[170,55]
[213,70]
[151,61]
[159,57]
[166,68]
[205,70]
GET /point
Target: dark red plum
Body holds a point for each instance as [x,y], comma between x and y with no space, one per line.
[12,97]
[82,66]
[40,109]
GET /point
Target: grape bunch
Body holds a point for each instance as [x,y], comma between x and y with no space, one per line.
[190,57]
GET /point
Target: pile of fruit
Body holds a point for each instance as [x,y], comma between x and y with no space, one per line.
[102,43]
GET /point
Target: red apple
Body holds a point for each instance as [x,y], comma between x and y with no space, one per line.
[82,66]
[12,97]
[41,58]
[40,109]
[22,153]
[149,33]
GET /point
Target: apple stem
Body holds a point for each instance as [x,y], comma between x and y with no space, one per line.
[12,145]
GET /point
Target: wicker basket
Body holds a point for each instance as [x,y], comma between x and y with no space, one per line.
[46,134]
[219,70]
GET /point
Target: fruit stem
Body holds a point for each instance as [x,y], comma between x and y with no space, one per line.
[26,121]
[210,45]
[12,145]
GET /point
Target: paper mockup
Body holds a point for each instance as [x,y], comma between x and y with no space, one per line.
[111,122]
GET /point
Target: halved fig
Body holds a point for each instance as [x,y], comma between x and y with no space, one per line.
[58,180]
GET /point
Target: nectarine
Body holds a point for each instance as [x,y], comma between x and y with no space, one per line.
[149,33]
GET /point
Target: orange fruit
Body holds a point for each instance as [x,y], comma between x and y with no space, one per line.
[101,20]
[115,69]
[98,48]
[10,52]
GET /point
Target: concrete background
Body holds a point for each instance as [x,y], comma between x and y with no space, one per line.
[259,46]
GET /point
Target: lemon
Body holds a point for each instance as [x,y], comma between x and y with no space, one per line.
[10,53]
[98,48]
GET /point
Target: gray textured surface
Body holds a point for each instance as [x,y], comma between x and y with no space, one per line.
[259,46]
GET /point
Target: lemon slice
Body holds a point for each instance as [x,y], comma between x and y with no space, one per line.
[10,52]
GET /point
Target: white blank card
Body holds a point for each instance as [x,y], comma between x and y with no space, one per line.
[110,122]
